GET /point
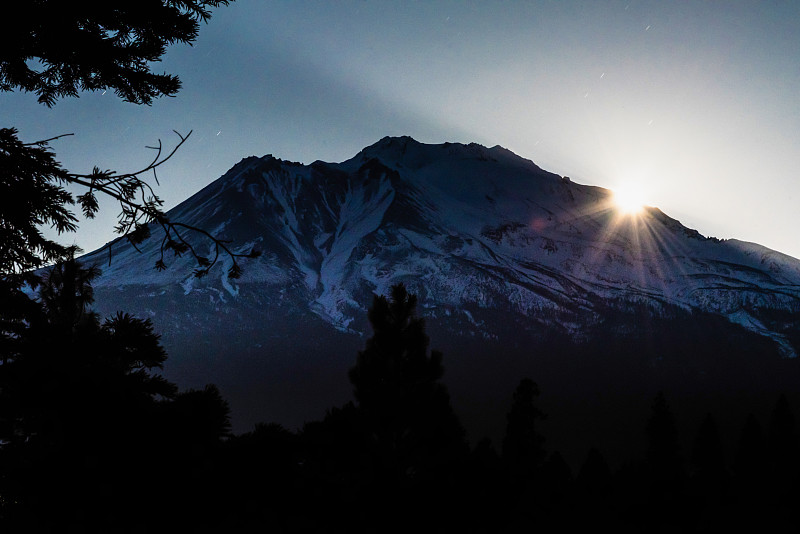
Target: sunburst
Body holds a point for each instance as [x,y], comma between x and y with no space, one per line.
[629,200]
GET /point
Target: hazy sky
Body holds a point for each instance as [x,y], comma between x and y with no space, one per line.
[696,102]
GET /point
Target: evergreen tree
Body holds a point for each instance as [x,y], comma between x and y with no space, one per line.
[556,483]
[68,362]
[710,479]
[31,195]
[594,476]
[523,450]
[523,454]
[56,49]
[707,454]
[88,419]
[397,385]
[190,438]
[16,311]
[200,416]
[414,438]
[663,454]
[664,464]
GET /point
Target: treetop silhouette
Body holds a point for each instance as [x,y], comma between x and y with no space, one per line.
[395,366]
[523,450]
[31,195]
[56,49]
[396,383]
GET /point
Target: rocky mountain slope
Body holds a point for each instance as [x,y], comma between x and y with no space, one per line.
[497,249]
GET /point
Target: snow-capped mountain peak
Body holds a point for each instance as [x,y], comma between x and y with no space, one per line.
[464,226]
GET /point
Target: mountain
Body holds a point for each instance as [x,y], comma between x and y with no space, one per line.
[517,270]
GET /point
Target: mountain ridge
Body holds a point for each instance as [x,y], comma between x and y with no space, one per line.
[462,201]
[500,253]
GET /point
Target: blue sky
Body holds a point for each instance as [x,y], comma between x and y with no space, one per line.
[693,102]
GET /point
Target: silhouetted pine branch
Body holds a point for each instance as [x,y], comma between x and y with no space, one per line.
[140,207]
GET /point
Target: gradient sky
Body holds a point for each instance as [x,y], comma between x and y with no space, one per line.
[696,103]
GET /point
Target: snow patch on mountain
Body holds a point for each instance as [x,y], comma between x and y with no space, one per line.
[360,213]
[464,226]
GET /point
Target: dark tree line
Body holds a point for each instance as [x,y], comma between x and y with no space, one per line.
[369,467]
[94,439]
[91,435]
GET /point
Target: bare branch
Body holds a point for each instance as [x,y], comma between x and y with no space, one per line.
[45,141]
[140,206]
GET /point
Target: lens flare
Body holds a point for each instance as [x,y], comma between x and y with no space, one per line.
[629,200]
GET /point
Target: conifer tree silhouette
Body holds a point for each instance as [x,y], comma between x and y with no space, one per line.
[707,454]
[106,46]
[663,455]
[557,480]
[664,463]
[31,195]
[709,475]
[414,438]
[190,441]
[523,445]
[523,454]
[202,416]
[66,293]
[80,400]
[67,356]
[593,490]
[398,388]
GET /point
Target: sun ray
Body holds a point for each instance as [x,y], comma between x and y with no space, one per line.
[644,239]
[629,199]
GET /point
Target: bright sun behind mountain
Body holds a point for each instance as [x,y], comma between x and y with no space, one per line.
[629,200]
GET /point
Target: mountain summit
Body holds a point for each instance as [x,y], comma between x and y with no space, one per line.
[463,226]
[495,248]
